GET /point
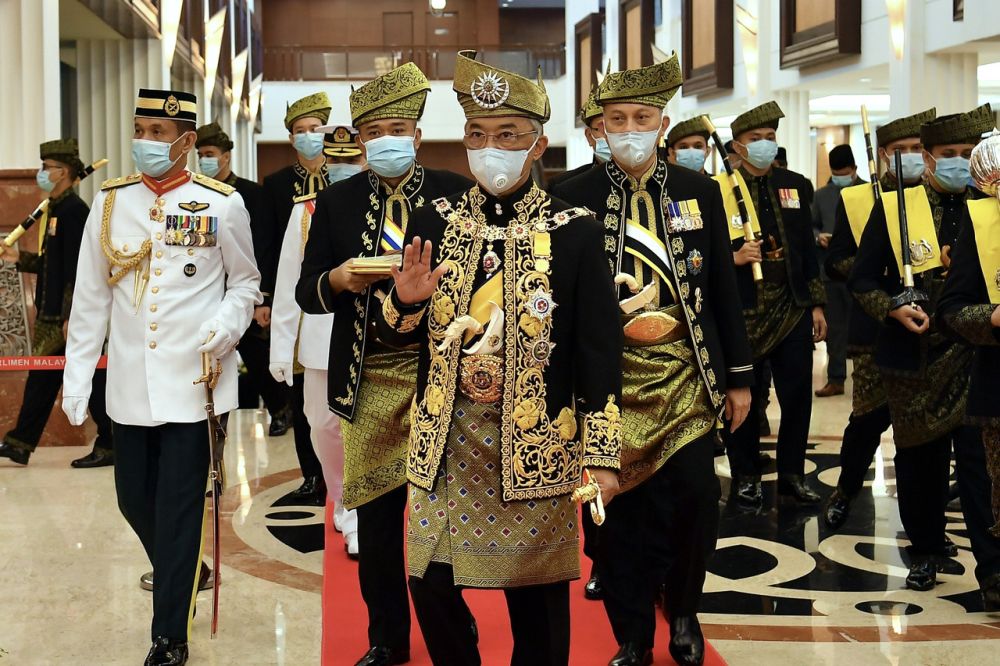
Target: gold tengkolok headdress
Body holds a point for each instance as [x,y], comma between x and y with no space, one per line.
[685,128]
[62,150]
[400,93]
[904,128]
[766,115]
[316,105]
[958,127]
[485,91]
[591,109]
[654,85]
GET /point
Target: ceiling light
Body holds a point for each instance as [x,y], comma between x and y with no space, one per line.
[865,79]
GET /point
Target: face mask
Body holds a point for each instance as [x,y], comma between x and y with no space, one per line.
[43,181]
[691,158]
[842,181]
[952,173]
[338,171]
[913,166]
[308,144]
[209,166]
[497,170]
[153,157]
[602,150]
[633,148]
[391,156]
[761,153]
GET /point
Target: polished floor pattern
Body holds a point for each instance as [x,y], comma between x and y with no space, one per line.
[782,587]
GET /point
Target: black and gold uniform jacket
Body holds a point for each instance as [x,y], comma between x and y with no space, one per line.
[701,263]
[561,348]
[55,266]
[783,201]
[348,222]
[265,251]
[964,312]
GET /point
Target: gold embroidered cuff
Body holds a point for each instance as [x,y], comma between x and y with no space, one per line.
[875,303]
[844,266]
[602,437]
[973,323]
[817,292]
[402,323]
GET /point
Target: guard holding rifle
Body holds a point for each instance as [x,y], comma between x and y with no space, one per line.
[167,272]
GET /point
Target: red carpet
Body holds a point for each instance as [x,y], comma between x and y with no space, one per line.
[345,620]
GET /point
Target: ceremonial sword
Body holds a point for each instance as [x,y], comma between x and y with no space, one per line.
[910,295]
[741,205]
[36,214]
[210,372]
[590,491]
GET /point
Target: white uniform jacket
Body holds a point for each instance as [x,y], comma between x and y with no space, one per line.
[201,267]
[314,336]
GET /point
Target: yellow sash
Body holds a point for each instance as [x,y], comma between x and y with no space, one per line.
[43,228]
[479,307]
[732,209]
[924,250]
[858,202]
[986,225]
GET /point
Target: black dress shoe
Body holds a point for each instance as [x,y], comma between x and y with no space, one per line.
[280,423]
[923,574]
[838,508]
[793,485]
[990,589]
[949,549]
[593,590]
[15,453]
[167,652]
[632,654]
[747,492]
[384,656]
[312,492]
[96,458]
[687,644]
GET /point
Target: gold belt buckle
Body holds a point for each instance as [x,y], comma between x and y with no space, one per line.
[481,378]
[649,327]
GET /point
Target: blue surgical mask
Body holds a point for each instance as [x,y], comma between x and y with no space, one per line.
[691,158]
[761,153]
[842,181]
[913,166]
[209,166]
[43,180]
[153,157]
[308,144]
[391,156]
[602,150]
[952,173]
[339,171]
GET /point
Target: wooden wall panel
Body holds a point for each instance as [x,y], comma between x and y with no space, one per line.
[813,13]
[703,34]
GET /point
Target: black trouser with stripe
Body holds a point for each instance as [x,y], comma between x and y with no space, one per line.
[861,440]
[161,474]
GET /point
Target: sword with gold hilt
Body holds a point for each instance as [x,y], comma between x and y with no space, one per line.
[210,372]
[910,295]
[741,205]
[40,210]
[590,492]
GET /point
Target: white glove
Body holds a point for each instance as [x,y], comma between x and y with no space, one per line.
[282,372]
[75,409]
[218,341]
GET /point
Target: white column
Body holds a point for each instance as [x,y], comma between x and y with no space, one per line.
[793,131]
[565,110]
[30,109]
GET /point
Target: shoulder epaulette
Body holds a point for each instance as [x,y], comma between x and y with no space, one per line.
[121,181]
[304,197]
[213,184]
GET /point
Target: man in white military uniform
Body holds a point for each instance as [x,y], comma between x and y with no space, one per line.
[344,159]
[166,270]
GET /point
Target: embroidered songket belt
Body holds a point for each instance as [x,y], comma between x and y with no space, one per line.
[481,378]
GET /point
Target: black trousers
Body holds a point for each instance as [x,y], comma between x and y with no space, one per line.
[255,350]
[838,312]
[539,621]
[161,474]
[677,507]
[382,569]
[975,487]
[41,390]
[591,535]
[861,440]
[791,371]
[922,490]
[308,462]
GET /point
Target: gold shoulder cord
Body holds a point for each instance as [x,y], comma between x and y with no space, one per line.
[124,262]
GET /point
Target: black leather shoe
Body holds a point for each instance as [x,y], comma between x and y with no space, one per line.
[632,654]
[838,508]
[793,485]
[747,492]
[17,454]
[312,492]
[990,589]
[96,458]
[384,656]
[167,652]
[949,549]
[280,424]
[923,574]
[593,590]
[687,644]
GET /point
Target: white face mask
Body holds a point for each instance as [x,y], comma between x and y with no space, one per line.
[497,170]
[633,148]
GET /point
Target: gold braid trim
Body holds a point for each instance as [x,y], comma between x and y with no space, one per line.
[402,324]
[125,263]
[602,437]
[972,322]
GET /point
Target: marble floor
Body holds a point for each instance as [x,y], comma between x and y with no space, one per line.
[782,587]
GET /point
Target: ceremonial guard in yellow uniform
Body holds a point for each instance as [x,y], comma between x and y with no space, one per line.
[518,388]
[300,344]
[784,313]
[686,361]
[687,144]
[592,117]
[371,385]
[167,272]
[54,265]
[870,408]
[926,375]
